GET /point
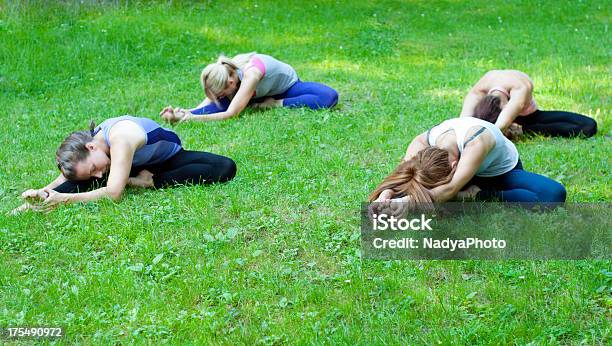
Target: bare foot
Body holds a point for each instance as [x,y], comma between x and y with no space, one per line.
[469,193]
[269,102]
[23,208]
[143,179]
[515,131]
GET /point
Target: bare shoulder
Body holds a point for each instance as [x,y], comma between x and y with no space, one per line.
[127,131]
[480,136]
[486,82]
[507,79]
[253,73]
[519,79]
[493,73]
[517,73]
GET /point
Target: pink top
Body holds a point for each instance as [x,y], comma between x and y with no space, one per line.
[257,63]
[530,108]
[277,77]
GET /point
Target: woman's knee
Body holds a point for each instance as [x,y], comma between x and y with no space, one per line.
[227,169]
[589,127]
[327,98]
[553,192]
[331,98]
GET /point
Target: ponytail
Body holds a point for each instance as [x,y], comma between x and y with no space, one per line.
[92,128]
[214,77]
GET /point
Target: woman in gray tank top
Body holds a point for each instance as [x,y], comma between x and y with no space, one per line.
[143,154]
[255,80]
[464,157]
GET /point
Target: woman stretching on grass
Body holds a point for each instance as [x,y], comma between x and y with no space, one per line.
[459,153]
[504,97]
[251,79]
[143,154]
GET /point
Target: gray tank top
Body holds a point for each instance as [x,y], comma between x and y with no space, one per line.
[160,144]
[501,159]
[278,77]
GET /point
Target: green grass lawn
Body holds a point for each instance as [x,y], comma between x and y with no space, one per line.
[274,256]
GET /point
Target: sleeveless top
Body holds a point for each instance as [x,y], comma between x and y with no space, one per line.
[160,143]
[502,158]
[277,78]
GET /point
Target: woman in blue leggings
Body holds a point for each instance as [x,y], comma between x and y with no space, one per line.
[255,80]
[464,157]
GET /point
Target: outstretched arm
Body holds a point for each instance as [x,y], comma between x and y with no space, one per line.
[239,102]
[124,138]
[470,102]
[173,114]
[471,159]
[117,178]
[57,182]
[40,193]
[34,196]
[204,103]
[418,143]
[518,100]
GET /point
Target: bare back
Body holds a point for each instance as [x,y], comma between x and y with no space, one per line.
[506,79]
[515,85]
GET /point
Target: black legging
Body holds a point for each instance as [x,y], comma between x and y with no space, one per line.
[185,167]
[557,123]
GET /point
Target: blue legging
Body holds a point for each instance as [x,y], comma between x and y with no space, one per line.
[519,185]
[301,94]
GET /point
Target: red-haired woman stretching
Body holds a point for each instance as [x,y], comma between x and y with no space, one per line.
[459,153]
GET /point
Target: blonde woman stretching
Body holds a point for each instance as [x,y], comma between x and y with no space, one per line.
[251,79]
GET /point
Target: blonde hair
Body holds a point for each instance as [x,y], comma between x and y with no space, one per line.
[215,76]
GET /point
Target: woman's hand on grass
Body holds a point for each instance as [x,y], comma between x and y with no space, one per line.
[34,200]
[33,195]
[376,208]
[380,205]
[183,115]
[53,200]
[43,200]
[170,114]
[397,207]
[400,206]
[174,115]
[166,109]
